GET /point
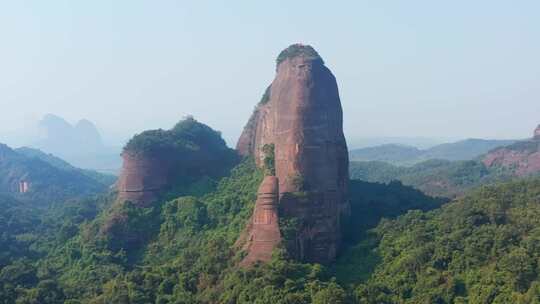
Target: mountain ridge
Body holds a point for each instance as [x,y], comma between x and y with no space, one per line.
[398,154]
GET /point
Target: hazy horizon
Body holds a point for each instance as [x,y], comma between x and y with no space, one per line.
[427,70]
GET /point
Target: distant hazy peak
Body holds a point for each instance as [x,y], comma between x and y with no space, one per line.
[85,122]
[537,133]
[5,150]
[86,129]
[51,120]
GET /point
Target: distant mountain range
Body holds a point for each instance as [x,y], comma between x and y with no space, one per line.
[451,169]
[33,176]
[355,142]
[407,155]
[80,144]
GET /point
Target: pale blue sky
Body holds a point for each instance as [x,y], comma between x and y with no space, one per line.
[407,68]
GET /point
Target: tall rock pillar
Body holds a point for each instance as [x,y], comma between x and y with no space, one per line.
[301,116]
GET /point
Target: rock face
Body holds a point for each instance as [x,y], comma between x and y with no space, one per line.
[301,116]
[263,233]
[521,158]
[144,177]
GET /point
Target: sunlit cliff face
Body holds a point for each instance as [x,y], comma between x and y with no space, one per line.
[302,119]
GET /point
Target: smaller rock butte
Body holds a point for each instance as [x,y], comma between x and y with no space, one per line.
[537,133]
[263,234]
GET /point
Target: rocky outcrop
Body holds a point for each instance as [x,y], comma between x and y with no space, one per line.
[144,177]
[302,119]
[262,233]
[156,160]
[520,159]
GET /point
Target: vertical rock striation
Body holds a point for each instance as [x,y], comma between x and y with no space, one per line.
[301,116]
[263,233]
[143,177]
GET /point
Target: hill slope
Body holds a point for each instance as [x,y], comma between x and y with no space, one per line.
[435,177]
[521,158]
[105,179]
[483,248]
[46,183]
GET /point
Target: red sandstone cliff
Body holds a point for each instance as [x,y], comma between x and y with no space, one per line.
[143,177]
[302,117]
[262,233]
[521,158]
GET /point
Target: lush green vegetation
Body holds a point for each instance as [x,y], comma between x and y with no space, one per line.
[193,155]
[299,50]
[182,250]
[49,182]
[188,135]
[483,248]
[28,235]
[269,159]
[105,179]
[434,177]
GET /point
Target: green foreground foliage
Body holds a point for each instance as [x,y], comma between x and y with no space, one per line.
[483,248]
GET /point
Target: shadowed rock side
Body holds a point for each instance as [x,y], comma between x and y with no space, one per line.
[303,119]
[143,177]
[263,229]
[521,158]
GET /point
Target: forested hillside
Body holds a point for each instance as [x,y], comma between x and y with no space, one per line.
[483,248]
[479,249]
[180,251]
[434,177]
[47,180]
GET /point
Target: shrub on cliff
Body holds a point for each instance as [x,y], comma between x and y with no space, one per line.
[188,135]
[298,49]
[266,96]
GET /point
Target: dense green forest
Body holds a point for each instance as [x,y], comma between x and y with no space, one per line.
[105,179]
[400,246]
[50,179]
[435,177]
[179,251]
[483,248]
